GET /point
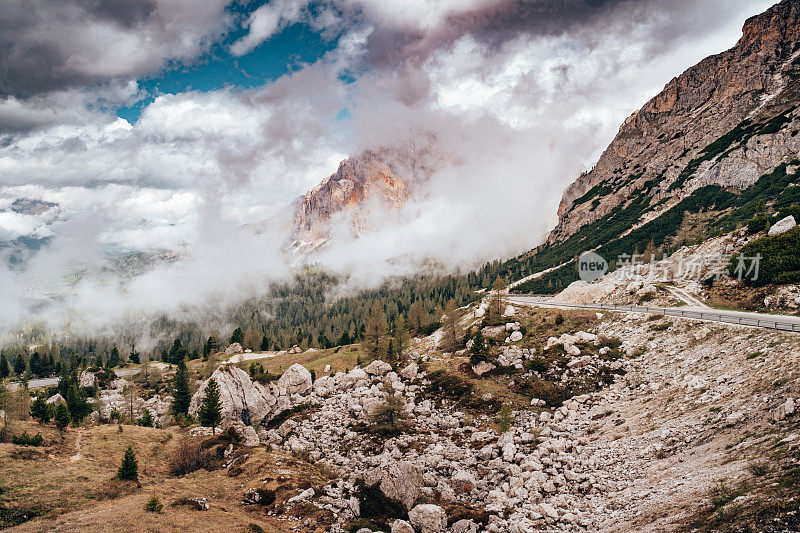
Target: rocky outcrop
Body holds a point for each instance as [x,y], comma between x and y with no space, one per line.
[381,178]
[296,380]
[757,81]
[242,399]
[783,225]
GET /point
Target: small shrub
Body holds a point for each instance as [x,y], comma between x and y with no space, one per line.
[721,494]
[552,393]
[559,319]
[430,328]
[611,342]
[146,419]
[537,364]
[189,456]
[28,440]
[505,419]
[153,505]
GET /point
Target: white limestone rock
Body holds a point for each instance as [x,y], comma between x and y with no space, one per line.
[428,518]
[783,225]
[242,399]
[296,380]
[378,368]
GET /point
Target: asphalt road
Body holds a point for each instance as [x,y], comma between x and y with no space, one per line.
[759,320]
[49,382]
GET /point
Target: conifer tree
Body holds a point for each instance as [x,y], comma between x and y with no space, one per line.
[451,331]
[211,345]
[375,332]
[146,419]
[416,317]
[237,336]
[5,370]
[40,410]
[62,417]
[181,396]
[133,357]
[19,365]
[130,467]
[264,343]
[210,413]
[113,358]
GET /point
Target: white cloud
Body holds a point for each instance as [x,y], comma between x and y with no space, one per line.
[266,21]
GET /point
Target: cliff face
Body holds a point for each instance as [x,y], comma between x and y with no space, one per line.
[364,184]
[692,133]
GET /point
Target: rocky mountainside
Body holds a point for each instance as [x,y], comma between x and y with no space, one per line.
[364,185]
[727,121]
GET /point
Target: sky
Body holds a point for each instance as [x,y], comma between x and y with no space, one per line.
[176,125]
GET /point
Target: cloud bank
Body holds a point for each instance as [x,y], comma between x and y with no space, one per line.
[520,95]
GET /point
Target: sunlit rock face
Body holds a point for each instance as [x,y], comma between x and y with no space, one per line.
[365,186]
[756,80]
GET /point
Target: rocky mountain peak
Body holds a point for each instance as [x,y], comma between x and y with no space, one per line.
[687,136]
[373,180]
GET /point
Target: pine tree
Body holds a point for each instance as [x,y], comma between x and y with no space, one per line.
[146,419]
[211,345]
[477,351]
[130,467]
[238,336]
[133,357]
[375,332]
[400,337]
[264,343]
[210,413]
[62,416]
[181,396]
[75,398]
[176,352]
[497,300]
[40,410]
[5,370]
[416,317]
[113,358]
[451,331]
[19,365]
[35,363]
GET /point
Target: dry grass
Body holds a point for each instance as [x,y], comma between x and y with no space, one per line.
[340,359]
[70,484]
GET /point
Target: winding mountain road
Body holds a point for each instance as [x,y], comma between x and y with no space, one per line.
[49,382]
[758,320]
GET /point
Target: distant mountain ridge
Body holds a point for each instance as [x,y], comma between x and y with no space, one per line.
[381,178]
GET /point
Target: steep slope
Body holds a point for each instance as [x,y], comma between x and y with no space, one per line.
[364,185]
[726,121]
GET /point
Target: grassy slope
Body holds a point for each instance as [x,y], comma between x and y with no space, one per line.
[70,483]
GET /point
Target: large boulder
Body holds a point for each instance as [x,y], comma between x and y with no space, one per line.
[86,379]
[378,368]
[410,372]
[296,380]
[463,482]
[234,348]
[402,482]
[783,225]
[56,399]
[242,399]
[428,518]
